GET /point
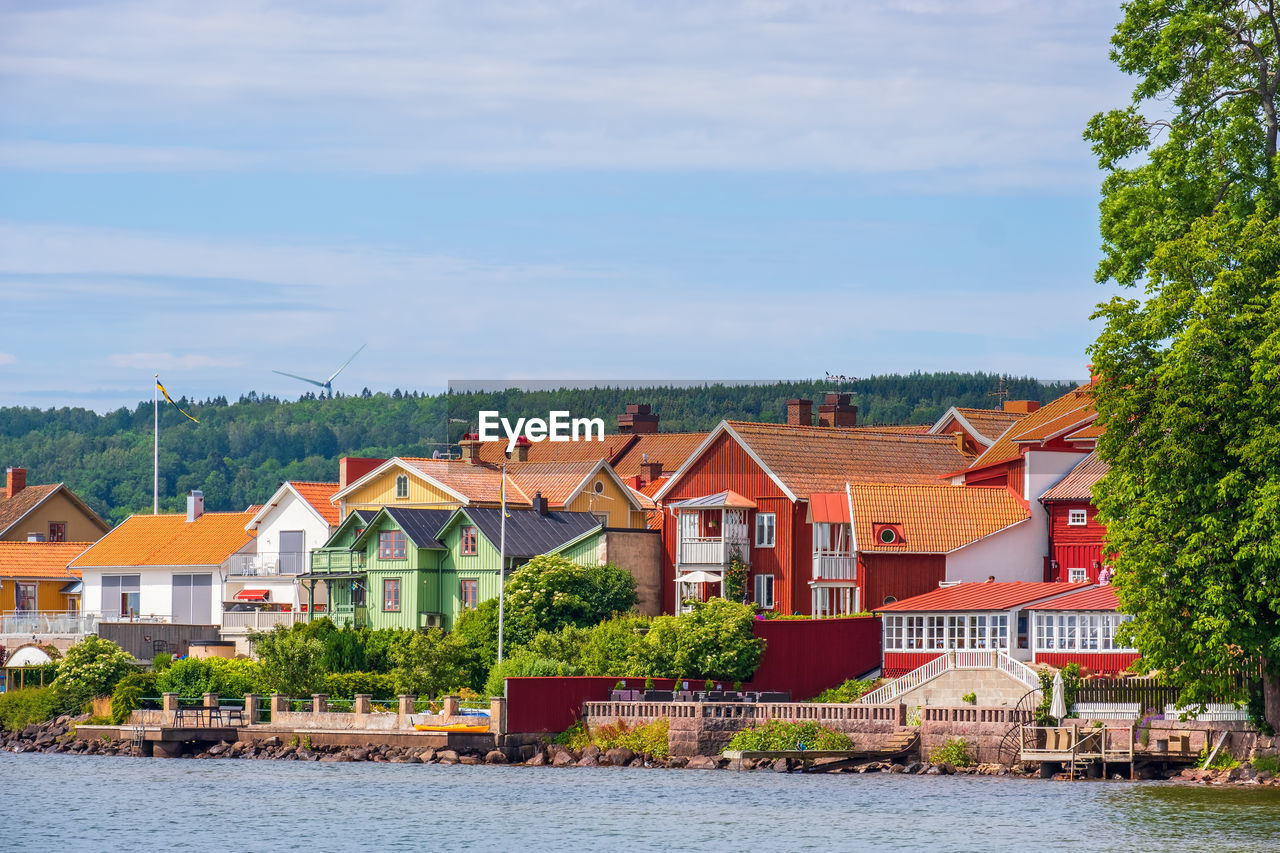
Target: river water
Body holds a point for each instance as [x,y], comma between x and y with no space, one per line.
[90,803]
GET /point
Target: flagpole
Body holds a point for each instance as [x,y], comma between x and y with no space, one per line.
[502,558]
[155,457]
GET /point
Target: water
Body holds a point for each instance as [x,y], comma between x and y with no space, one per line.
[88,803]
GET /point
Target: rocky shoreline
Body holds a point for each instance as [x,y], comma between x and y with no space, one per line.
[58,737]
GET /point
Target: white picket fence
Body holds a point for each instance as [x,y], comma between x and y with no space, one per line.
[1212,713]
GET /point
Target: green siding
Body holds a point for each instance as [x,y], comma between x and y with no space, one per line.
[584,552]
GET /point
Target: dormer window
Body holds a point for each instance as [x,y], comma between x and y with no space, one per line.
[402,486]
[889,534]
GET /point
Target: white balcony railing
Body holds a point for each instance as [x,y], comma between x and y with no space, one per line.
[260,620]
[702,551]
[49,622]
[267,564]
[834,567]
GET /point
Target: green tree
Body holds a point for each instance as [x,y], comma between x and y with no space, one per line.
[290,660]
[1189,372]
[432,662]
[92,667]
[551,591]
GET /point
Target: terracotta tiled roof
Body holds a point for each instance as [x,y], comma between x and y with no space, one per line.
[170,540]
[901,429]
[934,519]
[610,449]
[1074,407]
[823,459]
[39,559]
[481,482]
[1090,433]
[318,495]
[556,480]
[981,596]
[14,508]
[1093,598]
[991,423]
[1078,484]
[669,448]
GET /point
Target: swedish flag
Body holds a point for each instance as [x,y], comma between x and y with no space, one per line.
[170,399]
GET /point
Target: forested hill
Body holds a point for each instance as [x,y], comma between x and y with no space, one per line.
[240,452]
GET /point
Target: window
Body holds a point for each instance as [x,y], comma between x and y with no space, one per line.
[57,531]
[121,595]
[391,595]
[1077,575]
[468,541]
[468,592]
[402,486]
[191,601]
[24,596]
[1077,517]
[764,591]
[764,532]
[391,545]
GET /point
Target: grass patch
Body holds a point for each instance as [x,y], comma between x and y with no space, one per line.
[1267,764]
[783,735]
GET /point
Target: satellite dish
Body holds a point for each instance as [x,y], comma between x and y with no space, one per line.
[328,383]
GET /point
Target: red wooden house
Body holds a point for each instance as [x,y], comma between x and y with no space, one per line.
[981,428]
[1077,546]
[1081,628]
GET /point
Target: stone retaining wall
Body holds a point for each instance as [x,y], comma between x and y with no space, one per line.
[983,729]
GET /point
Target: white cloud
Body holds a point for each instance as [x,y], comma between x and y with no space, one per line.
[168,361]
[7,358]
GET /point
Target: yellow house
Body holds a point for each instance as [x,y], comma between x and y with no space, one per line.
[34,577]
[580,486]
[45,513]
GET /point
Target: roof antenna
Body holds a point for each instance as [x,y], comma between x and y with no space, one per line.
[1002,389]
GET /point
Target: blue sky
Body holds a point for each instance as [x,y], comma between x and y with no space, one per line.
[542,189]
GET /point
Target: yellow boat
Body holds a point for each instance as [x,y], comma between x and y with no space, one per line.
[461,727]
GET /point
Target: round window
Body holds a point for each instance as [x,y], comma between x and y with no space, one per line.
[599,487]
[888,536]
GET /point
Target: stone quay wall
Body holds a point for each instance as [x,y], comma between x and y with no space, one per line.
[982,728]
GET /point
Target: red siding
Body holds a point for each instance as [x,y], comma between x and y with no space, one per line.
[1103,662]
[899,575]
[898,664]
[1075,546]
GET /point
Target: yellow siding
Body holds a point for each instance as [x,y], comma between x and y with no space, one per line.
[49,597]
[611,501]
[80,528]
[381,492]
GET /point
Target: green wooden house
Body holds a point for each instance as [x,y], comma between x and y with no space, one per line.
[420,568]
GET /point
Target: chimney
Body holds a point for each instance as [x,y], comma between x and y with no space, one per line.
[637,419]
[836,411]
[650,471]
[960,442]
[1022,407]
[352,468]
[539,503]
[16,481]
[470,445]
[521,452]
[799,413]
[195,505]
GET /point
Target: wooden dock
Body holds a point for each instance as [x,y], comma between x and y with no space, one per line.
[899,745]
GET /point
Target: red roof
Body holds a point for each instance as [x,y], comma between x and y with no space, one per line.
[1079,482]
[829,507]
[978,595]
[1093,598]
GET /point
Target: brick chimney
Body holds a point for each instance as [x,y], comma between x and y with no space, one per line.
[1022,407]
[650,471]
[16,481]
[470,445]
[195,505]
[521,451]
[836,411]
[352,468]
[637,419]
[799,413]
[539,503]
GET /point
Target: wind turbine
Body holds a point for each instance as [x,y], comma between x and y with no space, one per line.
[328,383]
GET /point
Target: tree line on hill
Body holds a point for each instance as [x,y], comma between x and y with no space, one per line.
[241,451]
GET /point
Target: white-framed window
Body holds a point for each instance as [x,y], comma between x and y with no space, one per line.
[764,591]
[1077,575]
[1077,517]
[954,631]
[402,486]
[1078,632]
[765,523]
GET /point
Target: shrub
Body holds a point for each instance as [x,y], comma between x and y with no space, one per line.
[970,698]
[290,660]
[432,663]
[161,661]
[195,676]
[783,735]
[551,591]
[954,752]
[21,708]
[1267,764]
[851,691]
[92,667]
[345,685]
[129,693]
[525,665]
[649,739]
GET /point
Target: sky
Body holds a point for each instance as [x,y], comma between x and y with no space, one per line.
[542,189]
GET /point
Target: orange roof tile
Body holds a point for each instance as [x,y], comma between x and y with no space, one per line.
[39,559]
[1071,408]
[1093,598]
[829,507]
[556,480]
[477,482]
[318,495]
[990,423]
[935,519]
[669,448]
[905,429]
[823,459]
[170,540]
[562,451]
[1089,433]
[1078,484]
[978,595]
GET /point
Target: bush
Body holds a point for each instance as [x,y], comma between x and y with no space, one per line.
[714,641]
[648,739]
[432,663]
[550,592]
[525,665]
[21,708]
[129,693]
[1267,764]
[345,685]
[191,677]
[92,667]
[851,691]
[782,735]
[290,660]
[954,752]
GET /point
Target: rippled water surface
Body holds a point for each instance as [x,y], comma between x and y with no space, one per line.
[74,803]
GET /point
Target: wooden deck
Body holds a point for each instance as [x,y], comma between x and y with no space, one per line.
[900,744]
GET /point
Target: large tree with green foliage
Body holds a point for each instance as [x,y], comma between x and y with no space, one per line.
[1189,370]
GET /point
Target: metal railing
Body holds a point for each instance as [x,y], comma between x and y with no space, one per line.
[267,564]
[954,659]
[337,561]
[255,620]
[836,567]
[48,622]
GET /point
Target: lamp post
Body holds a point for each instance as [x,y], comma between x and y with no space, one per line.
[502,558]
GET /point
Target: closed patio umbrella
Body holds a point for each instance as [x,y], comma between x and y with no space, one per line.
[1058,704]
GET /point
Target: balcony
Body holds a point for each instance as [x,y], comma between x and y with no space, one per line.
[260,620]
[267,564]
[34,623]
[709,551]
[337,560]
[833,566]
